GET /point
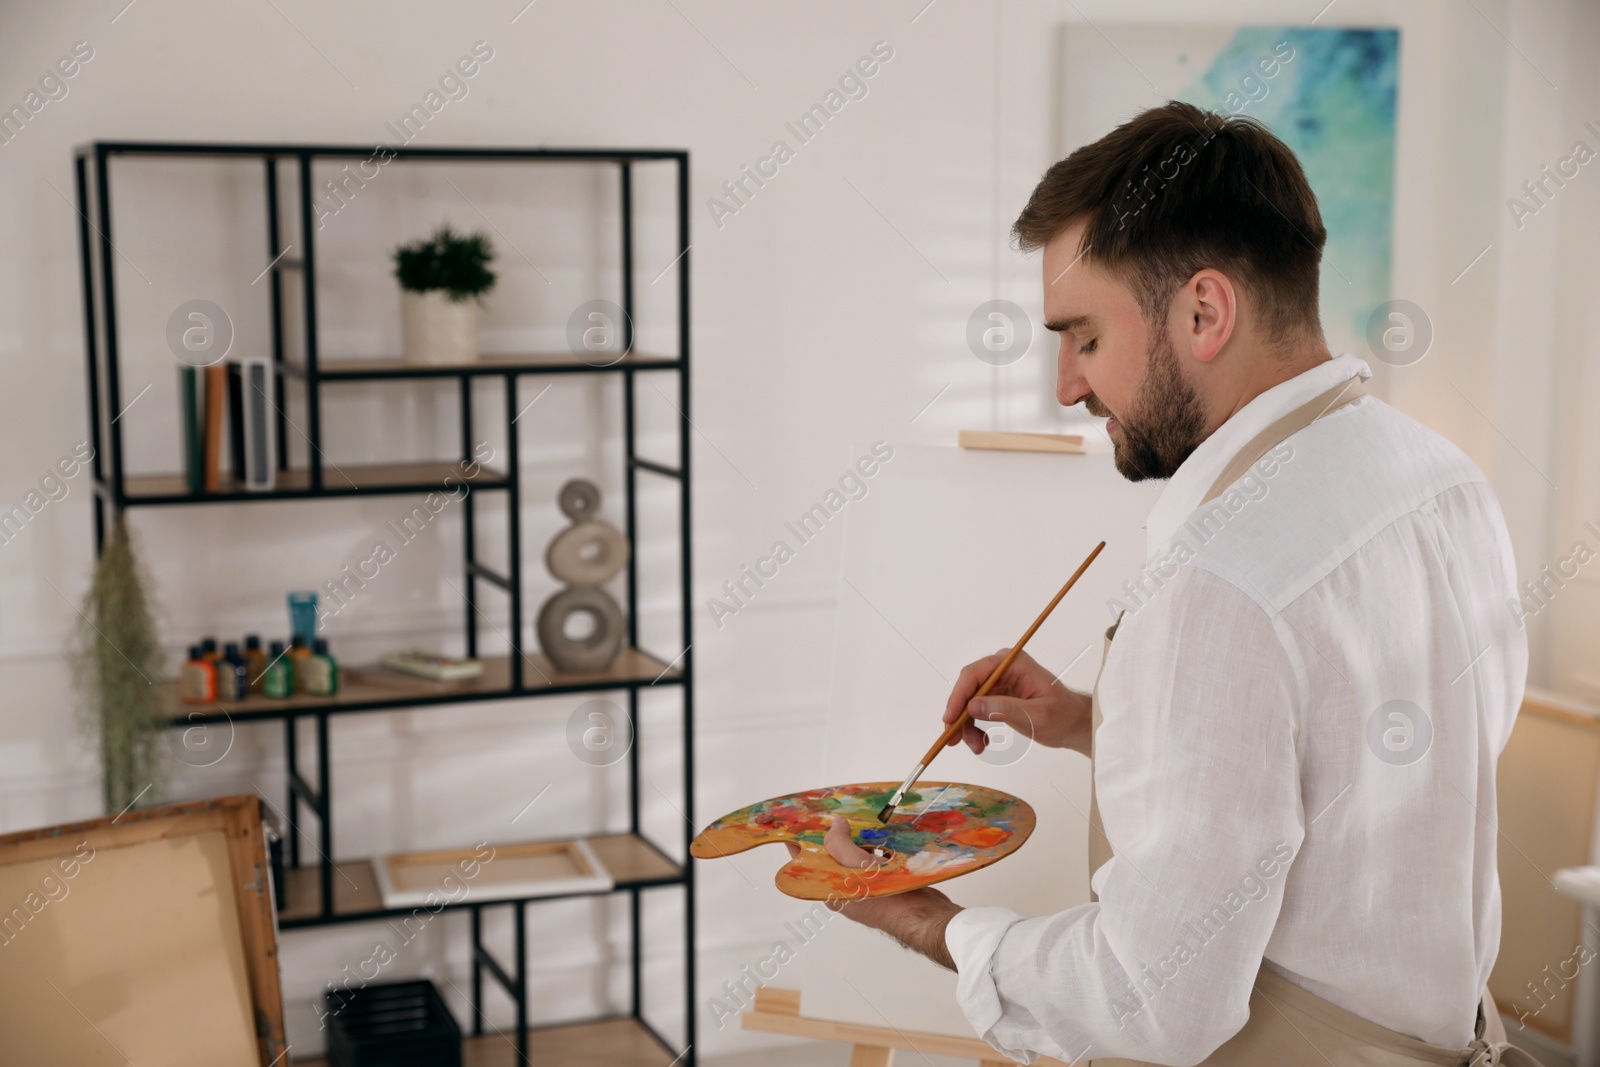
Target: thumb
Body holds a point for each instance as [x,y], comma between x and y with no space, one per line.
[843,848]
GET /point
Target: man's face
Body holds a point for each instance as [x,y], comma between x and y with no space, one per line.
[1118,365]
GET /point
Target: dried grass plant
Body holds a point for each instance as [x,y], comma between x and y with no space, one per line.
[115,660]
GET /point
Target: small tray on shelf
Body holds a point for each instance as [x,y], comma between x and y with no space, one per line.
[630,859]
[491,872]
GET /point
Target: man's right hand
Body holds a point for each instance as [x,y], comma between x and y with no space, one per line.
[1027,698]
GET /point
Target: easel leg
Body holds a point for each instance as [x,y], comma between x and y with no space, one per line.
[871,1056]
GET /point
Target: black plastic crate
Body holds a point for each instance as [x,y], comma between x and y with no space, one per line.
[396,1024]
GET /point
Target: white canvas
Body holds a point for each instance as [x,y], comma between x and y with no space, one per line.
[952,556]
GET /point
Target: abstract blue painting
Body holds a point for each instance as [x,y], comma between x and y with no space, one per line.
[1333,103]
[1329,92]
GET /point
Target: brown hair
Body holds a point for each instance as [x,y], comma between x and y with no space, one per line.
[1177,189]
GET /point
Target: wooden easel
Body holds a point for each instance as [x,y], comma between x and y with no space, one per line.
[777,1011]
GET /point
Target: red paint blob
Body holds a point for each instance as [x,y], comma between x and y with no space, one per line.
[936,821]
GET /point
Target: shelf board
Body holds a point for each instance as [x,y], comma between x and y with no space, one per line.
[617,1042]
[631,667]
[631,860]
[356,370]
[202,149]
[379,689]
[373,479]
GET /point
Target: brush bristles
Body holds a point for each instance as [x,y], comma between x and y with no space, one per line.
[888,810]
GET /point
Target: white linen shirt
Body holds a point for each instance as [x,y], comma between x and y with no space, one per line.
[1301,713]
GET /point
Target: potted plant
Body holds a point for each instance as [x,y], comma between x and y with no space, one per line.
[442,281]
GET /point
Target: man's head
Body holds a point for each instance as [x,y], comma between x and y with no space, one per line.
[1181,257]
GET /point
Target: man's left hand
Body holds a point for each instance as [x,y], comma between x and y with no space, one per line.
[916,918]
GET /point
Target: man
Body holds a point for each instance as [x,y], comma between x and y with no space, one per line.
[1295,730]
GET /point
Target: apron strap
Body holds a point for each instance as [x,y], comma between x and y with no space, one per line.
[1345,393]
[1099,847]
[1503,1054]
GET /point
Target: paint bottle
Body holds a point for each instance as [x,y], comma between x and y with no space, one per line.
[303,615]
[208,649]
[277,677]
[197,681]
[322,672]
[232,682]
[255,661]
[299,654]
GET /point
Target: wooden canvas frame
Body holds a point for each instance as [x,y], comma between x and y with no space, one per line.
[1549,790]
[592,876]
[248,884]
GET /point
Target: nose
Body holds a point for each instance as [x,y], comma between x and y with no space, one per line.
[1071,387]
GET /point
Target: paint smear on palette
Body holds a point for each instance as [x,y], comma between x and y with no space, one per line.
[939,831]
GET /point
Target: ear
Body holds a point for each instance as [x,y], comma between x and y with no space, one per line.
[1210,307]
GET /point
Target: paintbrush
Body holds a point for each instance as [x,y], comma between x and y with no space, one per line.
[994,676]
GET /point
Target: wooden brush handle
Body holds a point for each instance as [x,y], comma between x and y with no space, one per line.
[999,672]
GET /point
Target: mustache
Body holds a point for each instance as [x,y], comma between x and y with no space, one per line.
[1092,405]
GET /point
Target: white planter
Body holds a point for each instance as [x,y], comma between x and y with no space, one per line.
[436,329]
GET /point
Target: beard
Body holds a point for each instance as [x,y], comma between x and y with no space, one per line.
[1165,422]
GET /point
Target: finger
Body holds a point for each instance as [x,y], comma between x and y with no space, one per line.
[987,666]
[794,849]
[960,735]
[967,683]
[975,738]
[1007,710]
[842,848]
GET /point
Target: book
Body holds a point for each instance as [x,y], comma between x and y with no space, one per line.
[211,428]
[236,458]
[189,420]
[257,432]
[431,665]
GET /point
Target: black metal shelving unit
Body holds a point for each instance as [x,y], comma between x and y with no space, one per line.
[326,892]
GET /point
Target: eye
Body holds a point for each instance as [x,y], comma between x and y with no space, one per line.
[1089,346]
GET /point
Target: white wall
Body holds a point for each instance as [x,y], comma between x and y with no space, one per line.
[828,311]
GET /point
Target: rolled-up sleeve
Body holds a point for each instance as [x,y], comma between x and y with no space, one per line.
[1197,780]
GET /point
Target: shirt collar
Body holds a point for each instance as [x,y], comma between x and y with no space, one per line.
[1189,484]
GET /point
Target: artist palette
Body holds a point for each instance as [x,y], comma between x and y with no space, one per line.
[940,830]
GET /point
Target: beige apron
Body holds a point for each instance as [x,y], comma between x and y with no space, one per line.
[1289,1025]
